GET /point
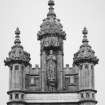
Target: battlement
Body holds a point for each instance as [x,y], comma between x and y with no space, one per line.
[70,70]
[35,71]
[71,78]
[67,69]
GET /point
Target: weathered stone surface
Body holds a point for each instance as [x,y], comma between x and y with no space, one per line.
[51,83]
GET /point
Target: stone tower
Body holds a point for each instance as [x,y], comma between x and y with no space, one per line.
[51,36]
[85,60]
[17,61]
[51,83]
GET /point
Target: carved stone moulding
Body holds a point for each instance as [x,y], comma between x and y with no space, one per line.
[86,59]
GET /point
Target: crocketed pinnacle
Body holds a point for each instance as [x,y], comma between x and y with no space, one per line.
[17,53]
[51,12]
[85,40]
[17,37]
[85,53]
[51,25]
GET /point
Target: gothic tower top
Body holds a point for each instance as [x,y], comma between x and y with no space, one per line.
[85,53]
[17,53]
[51,25]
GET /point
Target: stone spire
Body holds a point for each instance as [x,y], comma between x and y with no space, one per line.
[51,12]
[85,32]
[17,37]
[85,53]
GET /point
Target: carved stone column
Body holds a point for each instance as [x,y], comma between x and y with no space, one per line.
[43,71]
[60,70]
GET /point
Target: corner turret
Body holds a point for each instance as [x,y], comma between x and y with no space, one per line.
[17,61]
[85,60]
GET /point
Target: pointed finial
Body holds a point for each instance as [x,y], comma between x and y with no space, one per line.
[85,32]
[17,37]
[51,9]
[51,3]
[17,31]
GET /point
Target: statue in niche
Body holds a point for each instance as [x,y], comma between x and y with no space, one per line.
[51,70]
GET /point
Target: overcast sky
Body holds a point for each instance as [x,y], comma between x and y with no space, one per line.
[74,15]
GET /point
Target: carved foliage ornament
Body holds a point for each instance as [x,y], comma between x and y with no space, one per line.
[51,41]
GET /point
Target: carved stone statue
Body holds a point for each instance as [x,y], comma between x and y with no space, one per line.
[51,70]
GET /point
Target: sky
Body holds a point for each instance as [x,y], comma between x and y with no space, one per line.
[74,15]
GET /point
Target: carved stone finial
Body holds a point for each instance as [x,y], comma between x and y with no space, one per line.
[17,37]
[51,9]
[51,3]
[51,25]
[17,31]
[85,32]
